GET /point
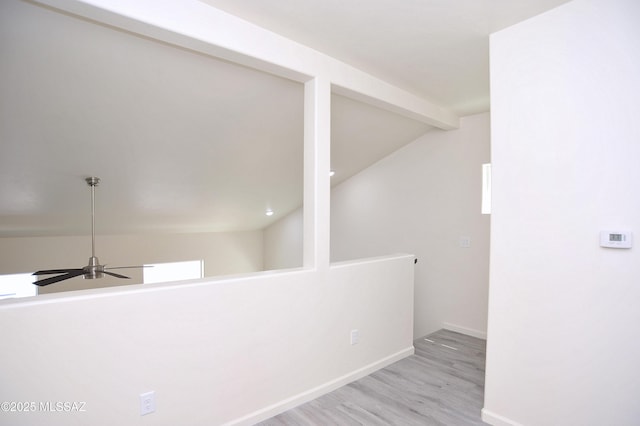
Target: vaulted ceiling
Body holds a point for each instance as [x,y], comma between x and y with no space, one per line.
[184,142]
[438,49]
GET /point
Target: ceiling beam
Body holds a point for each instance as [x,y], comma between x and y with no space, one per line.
[194,25]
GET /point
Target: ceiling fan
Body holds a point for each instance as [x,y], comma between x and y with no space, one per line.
[94,269]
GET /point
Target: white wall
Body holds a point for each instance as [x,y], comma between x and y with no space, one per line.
[564,319]
[223,253]
[283,242]
[421,200]
[215,352]
[232,350]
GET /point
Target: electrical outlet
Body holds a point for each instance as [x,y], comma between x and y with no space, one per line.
[147,403]
[355,337]
[465,242]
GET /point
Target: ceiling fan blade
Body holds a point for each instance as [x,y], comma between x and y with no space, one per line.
[130,267]
[53,280]
[116,275]
[56,271]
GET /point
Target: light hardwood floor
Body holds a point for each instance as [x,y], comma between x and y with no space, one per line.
[442,384]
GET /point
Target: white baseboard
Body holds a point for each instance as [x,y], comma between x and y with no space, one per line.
[497,420]
[464,330]
[294,401]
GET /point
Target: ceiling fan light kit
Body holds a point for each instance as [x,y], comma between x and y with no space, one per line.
[94,270]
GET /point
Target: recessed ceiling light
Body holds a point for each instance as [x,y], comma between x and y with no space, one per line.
[269,212]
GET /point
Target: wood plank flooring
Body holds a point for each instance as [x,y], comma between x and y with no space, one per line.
[441,384]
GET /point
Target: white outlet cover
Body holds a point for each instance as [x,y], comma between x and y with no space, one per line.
[147,403]
[355,337]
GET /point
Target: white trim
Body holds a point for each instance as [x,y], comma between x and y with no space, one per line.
[486,189]
[317,183]
[464,330]
[301,398]
[497,420]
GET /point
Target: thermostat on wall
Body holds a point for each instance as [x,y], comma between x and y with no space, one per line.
[616,239]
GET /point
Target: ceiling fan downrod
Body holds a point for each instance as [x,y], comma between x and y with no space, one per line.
[93,270]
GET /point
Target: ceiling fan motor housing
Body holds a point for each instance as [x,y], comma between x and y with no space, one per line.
[94,269]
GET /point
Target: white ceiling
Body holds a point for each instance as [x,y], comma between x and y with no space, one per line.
[438,49]
[184,142]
